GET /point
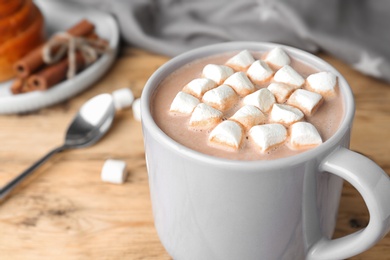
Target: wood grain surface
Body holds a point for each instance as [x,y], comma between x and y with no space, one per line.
[67,212]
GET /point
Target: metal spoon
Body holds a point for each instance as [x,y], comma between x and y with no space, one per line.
[91,122]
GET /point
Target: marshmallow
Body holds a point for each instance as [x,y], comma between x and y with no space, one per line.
[304,135]
[240,83]
[249,116]
[123,98]
[268,135]
[228,134]
[136,107]
[241,61]
[197,87]
[184,103]
[259,72]
[285,114]
[289,76]
[205,116]
[281,91]
[323,83]
[217,73]
[263,99]
[114,171]
[305,100]
[277,57]
[221,98]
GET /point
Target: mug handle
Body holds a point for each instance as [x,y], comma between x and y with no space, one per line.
[374,186]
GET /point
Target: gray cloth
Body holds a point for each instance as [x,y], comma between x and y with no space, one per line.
[356,31]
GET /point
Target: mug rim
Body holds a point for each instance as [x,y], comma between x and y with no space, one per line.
[148,123]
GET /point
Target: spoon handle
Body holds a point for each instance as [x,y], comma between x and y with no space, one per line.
[9,187]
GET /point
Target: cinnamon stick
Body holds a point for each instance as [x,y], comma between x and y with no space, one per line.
[17,86]
[53,74]
[34,61]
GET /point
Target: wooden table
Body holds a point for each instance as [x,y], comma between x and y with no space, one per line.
[67,212]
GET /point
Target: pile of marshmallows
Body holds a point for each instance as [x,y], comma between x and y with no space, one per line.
[270,115]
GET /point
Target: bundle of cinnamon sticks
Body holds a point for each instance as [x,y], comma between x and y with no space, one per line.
[34,73]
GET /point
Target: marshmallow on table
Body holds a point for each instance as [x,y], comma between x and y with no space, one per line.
[259,72]
[136,107]
[323,83]
[277,57]
[241,61]
[289,76]
[221,98]
[123,98]
[197,87]
[304,135]
[205,116]
[285,114]
[281,91]
[184,103]
[262,98]
[228,134]
[305,100]
[114,171]
[240,83]
[217,73]
[249,116]
[268,135]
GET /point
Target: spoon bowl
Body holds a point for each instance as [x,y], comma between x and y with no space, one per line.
[91,122]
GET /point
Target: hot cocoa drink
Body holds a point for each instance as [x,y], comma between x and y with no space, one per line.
[249,105]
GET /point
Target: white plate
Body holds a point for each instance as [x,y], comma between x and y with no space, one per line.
[59,16]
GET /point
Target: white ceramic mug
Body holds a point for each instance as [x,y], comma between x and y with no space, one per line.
[208,208]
